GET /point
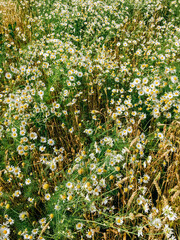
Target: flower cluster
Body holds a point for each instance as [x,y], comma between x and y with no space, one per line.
[89,109]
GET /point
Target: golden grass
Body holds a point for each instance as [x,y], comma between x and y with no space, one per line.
[10,14]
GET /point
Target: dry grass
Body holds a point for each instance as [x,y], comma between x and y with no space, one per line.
[13,15]
[10,14]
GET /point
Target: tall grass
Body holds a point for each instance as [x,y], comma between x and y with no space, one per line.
[89,120]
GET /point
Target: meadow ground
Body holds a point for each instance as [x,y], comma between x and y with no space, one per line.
[89,120]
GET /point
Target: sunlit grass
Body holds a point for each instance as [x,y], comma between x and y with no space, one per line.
[89,120]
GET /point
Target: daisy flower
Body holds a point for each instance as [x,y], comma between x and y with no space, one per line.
[119,221]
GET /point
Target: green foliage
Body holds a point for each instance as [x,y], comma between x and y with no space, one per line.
[89,121]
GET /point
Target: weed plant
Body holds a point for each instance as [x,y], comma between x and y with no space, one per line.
[89,120]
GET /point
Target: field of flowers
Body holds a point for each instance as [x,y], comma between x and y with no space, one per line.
[90,120]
